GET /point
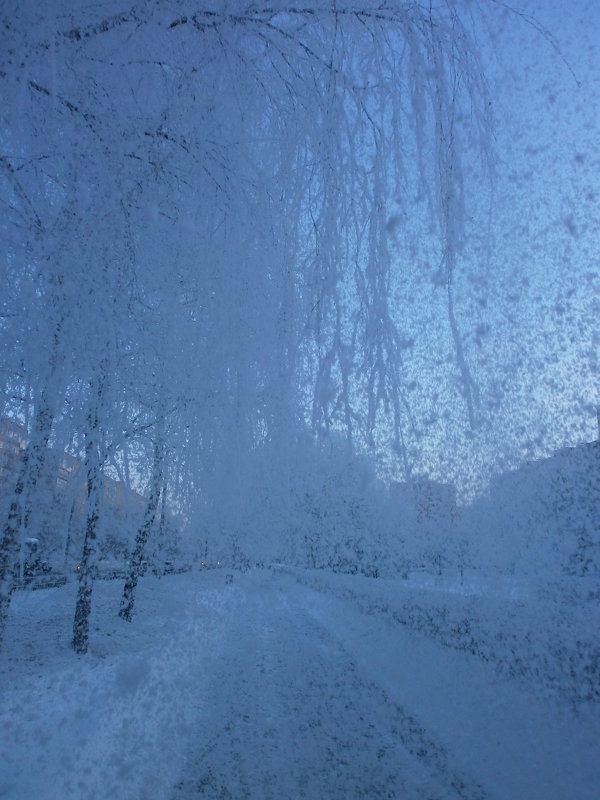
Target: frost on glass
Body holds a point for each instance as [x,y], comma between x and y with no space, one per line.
[310,287]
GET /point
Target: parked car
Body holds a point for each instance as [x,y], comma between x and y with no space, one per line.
[108,570]
[33,564]
[165,568]
[211,564]
[37,572]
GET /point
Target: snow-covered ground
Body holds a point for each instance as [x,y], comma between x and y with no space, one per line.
[287,685]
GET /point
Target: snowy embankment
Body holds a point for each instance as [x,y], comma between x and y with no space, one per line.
[515,739]
[284,685]
[114,723]
[548,639]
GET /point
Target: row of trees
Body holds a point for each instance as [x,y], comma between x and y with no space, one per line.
[198,213]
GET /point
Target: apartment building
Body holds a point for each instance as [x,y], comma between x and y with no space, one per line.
[12,447]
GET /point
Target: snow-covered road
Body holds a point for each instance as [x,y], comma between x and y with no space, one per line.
[291,715]
[270,688]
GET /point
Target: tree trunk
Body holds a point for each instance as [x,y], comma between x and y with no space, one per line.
[160,545]
[18,513]
[135,564]
[83,606]
[9,549]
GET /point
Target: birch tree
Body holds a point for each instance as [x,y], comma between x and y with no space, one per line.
[243,170]
[141,539]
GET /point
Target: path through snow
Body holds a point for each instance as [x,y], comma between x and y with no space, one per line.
[268,688]
[292,717]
